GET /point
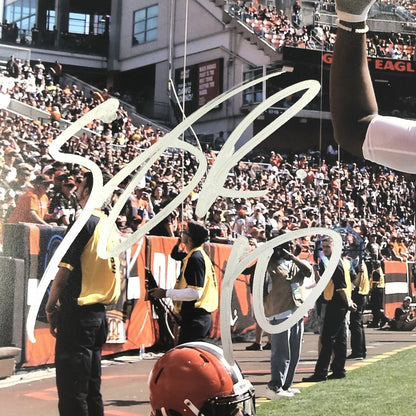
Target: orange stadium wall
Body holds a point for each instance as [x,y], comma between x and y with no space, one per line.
[398,284]
[132,322]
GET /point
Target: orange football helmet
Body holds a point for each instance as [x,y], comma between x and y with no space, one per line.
[195,379]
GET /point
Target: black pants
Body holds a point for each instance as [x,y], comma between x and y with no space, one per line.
[333,340]
[195,329]
[81,334]
[377,304]
[358,347]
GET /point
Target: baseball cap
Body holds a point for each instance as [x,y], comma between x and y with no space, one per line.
[47,168]
[61,175]
[69,184]
[10,151]
[42,179]
[24,166]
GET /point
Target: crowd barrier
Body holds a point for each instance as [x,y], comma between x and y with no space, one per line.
[133,322]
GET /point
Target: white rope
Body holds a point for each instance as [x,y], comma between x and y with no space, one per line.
[185,51]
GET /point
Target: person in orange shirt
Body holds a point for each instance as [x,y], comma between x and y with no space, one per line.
[402,249]
[55,113]
[32,206]
[399,248]
[140,204]
[67,90]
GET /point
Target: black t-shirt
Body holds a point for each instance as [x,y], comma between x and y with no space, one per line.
[195,277]
[338,278]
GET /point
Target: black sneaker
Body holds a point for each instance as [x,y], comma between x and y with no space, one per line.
[335,376]
[268,346]
[314,378]
[355,357]
[254,347]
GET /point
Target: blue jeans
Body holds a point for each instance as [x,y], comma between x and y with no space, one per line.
[285,354]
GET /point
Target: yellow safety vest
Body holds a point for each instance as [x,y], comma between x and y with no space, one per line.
[209,298]
[101,278]
[380,283]
[329,289]
[362,281]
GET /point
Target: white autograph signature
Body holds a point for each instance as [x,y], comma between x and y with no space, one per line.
[213,186]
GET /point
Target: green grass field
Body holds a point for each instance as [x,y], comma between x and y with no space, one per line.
[383,388]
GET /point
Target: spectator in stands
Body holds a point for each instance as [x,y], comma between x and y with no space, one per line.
[22,181]
[35,35]
[59,178]
[12,66]
[168,226]
[230,215]
[240,224]
[32,206]
[296,16]
[39,72]
[218,231]
[64,206]
[395,52]
[56,71]
[357,197]
[140,204]
[287,32]
[256,220]
[399,248]
[10,155]
[373,248]
[275,160]
[157,198]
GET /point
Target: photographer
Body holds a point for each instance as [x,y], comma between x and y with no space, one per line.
[286,273]
[404,317]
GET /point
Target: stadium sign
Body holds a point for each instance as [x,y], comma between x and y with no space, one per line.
[309,57]
[382,64]
[199,83]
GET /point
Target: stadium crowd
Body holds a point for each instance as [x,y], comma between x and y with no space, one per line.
[282,30]
[304,190]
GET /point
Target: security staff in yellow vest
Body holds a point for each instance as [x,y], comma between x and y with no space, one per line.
[334,334]
[361,288]
[83,285]
[195,294]
[377,285]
